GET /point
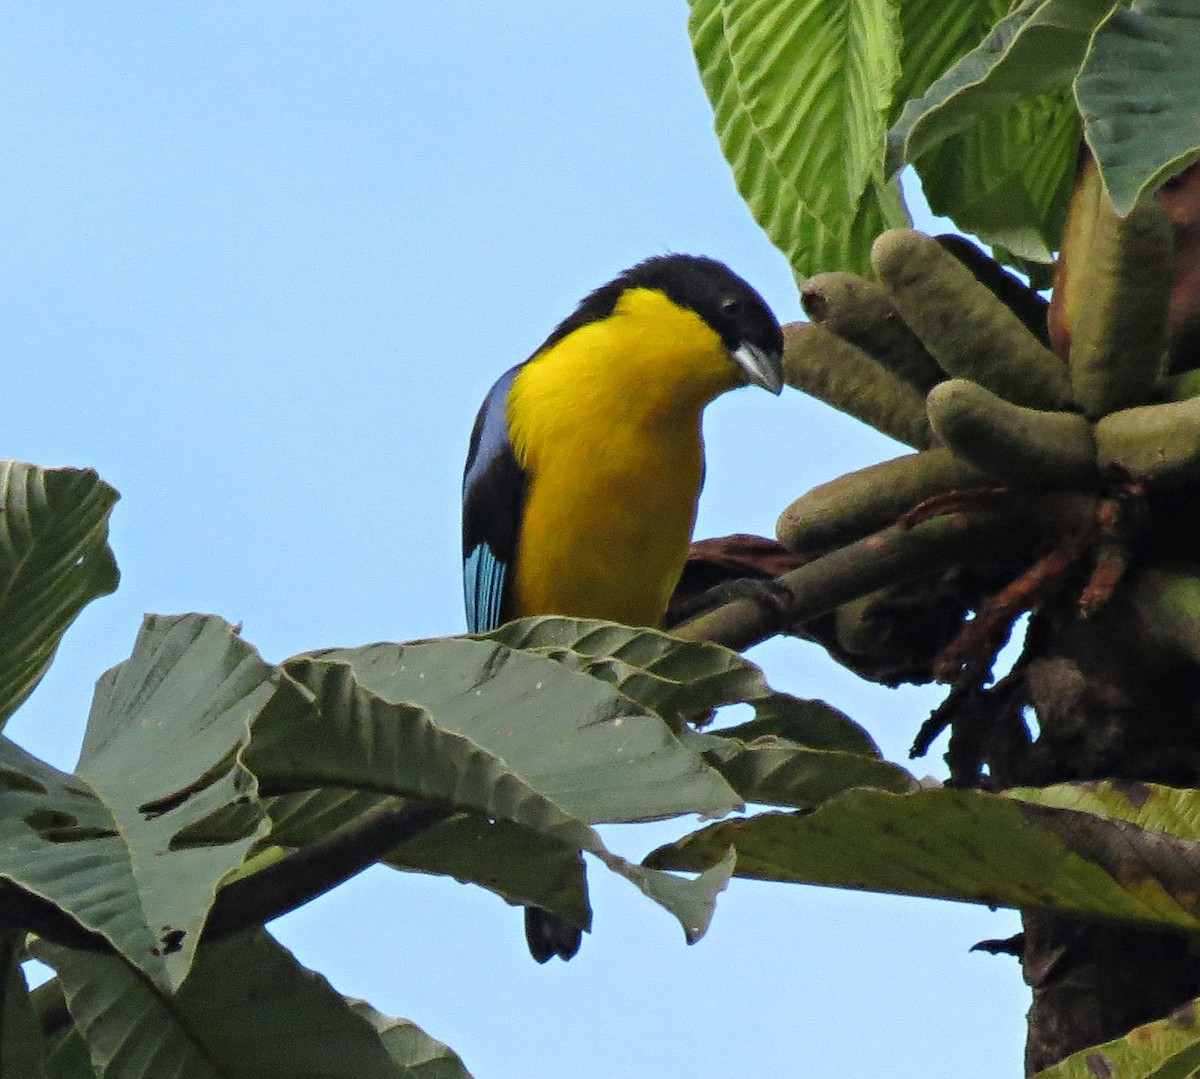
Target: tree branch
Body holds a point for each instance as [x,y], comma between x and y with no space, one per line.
[296,878]
[317,867]
[901,552]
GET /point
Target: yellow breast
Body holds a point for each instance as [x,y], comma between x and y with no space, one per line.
[607,424]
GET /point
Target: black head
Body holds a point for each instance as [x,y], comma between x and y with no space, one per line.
[734,310]
[711,289]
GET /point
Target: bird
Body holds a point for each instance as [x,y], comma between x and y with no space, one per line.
[586,460]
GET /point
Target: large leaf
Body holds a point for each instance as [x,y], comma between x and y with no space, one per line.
[1166,1049]
[965,845]
[520,864]
[60,842]
[160,755]
[1036,49]
[1140,97]
[680,680]
[248,1011]
[162,750]
[775,772]
[421,1056]
[580,742]
[355,739]
[54,560]
[934,35]
[510,736]
[341,751]
[1008,179]
[801,92]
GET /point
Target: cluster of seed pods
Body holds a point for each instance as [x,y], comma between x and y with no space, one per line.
[949,354]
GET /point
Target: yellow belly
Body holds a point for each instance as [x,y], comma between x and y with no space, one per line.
[609,540]
[606,424]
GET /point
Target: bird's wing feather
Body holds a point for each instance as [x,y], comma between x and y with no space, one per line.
[493,500]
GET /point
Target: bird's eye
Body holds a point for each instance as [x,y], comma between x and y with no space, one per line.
[732,306]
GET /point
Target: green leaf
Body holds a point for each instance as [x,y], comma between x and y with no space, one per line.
[588,748]
[1036,49]
[248,1011]
[517,737]
[801,91]
[59,841]
[54,560]
[694,901]
[1150,806]
[680,680]
[519,864]
[813,724]
[964,845]
[163,751]
[1009,179]
[1166,1049]
[67,1056]
[774,772]
[356,740]
[22,1047]
[934,35]
[409,1045]
[1139,96]
[160,755]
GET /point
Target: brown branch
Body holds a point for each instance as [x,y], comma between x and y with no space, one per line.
[317,867]
[983,533]
[31,913]
[967,660]
[284,885]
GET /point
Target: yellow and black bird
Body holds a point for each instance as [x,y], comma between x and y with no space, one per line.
[586,460]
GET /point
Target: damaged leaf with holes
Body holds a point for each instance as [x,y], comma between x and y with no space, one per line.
[161,753]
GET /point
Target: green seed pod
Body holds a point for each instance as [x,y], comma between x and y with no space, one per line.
[862,502]
[1159,443]
[968,331]
[1118,330]
[1021,446]
[1007,287]
[821,364]
[862,312]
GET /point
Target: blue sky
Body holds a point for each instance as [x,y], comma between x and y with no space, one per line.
[260,264]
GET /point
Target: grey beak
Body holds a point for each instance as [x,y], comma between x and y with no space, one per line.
[760,368]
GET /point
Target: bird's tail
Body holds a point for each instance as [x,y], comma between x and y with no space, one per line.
[548,935]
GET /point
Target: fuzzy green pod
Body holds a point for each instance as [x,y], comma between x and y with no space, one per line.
[1009,289]
[862,502]
[1118,330]
[1158,443]
[1025,447]
[821,364]
[861,312]
[967,330]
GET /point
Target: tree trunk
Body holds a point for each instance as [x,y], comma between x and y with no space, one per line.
[1111,703]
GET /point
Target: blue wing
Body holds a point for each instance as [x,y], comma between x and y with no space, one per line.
[493,500]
